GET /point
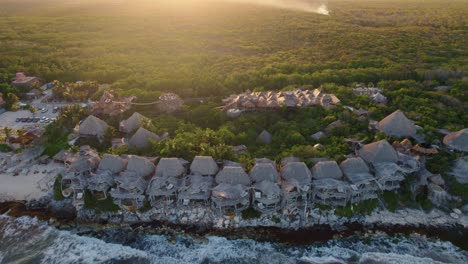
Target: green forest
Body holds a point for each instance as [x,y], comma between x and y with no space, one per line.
[216,48]
[213,49]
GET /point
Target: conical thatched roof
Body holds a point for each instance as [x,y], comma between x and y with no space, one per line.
[457,140]
[204,165]
[170,167]
[296,171]
[264,172]
[354,166]
[93,126]
[265,137]
[233,175]
[326,169]
[286,160]
[356,170]
[133,122]
[397,125]
[141,138]
[227,191]
[268,188]
[265,160]
[112,163]
[378,152]
[140,165]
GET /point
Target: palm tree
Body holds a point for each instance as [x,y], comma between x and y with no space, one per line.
[21,132]
[7,132]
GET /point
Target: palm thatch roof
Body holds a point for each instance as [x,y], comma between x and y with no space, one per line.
[112,163]
[196,187]
[265,160]
[233,175]
[296,171]
[264,172]
[101,181]
[141,166]
[265,137]
[92,126]
[457,140]
[141,138]
[204,165]
[131,182]
[356,170]
[397,125]
[226,191]
[163,186]
[378,152]
[326,169]
[268,188]
[286,160]
[460,170]
[170,167]
[133,122]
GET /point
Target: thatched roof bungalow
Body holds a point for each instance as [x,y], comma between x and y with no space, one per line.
[378,152]
[195,188]
[397,125]
[141,138]
[204,165]
[457,140]
[135,121]
[92,126]
[363,186]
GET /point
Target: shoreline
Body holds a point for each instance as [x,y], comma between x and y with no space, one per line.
[455,232]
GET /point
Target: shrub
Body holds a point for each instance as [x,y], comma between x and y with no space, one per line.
[4,148]
[58,196]
[391,200]
[251,213]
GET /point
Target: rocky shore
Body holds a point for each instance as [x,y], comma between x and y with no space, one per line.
[316,225]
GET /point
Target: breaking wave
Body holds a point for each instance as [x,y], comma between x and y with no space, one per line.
[27,240]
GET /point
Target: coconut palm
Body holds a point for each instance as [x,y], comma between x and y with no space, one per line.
[21,132]
[7,132]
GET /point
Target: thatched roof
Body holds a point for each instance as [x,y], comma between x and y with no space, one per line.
[112,163]
[356,170]
[133,122]
[460,170]
[286,160]
[264,172]
[140,165]
[93,126]
[141,138]
[82,164]
[265,160]
[331,184]
[196,187]
[397,125]
[131,181]
[378,152]
[230,191]
[101,181]
[296,171]
[326,169]
[170,167]
[265,137]
[233,175]
[457,140]
[204,165]
[268,188]
[163,186]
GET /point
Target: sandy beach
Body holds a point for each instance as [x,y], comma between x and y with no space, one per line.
[35,183]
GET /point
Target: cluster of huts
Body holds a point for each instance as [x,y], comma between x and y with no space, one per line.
[256,101]
[110,105]
[136,135]
[267,187]
[375,94]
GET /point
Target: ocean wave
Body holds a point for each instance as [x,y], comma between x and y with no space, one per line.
[27,240]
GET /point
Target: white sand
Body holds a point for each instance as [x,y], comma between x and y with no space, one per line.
[28,186]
